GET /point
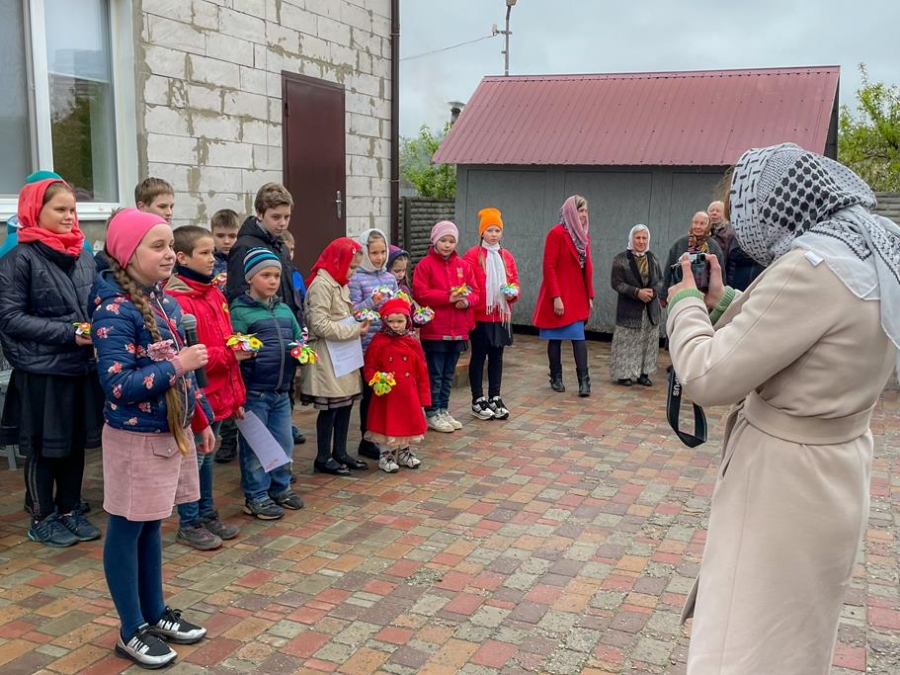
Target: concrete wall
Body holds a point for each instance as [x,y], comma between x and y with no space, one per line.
[209,96]
[664,198]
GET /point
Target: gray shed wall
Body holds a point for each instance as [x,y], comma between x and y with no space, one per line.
[663,198]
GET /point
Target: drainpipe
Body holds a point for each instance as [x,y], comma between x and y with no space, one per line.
[395,121]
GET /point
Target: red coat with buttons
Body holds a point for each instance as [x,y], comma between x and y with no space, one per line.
[399,412]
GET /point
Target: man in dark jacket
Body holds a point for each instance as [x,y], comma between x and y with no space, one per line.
[273,206]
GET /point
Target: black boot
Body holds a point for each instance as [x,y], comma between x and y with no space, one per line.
[584,383]
[556,382]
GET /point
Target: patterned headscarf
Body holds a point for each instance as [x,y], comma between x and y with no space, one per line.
[568,217]
[784,197]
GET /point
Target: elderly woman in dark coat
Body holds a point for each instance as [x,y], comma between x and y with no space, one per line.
[638,280]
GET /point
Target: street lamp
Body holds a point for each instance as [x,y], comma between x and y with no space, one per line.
[509,5]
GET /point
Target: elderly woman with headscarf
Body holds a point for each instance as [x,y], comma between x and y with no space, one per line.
[805,352]
[637,280]
[567,292]
[699,239]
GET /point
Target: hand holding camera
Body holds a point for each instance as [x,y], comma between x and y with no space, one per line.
[701,271]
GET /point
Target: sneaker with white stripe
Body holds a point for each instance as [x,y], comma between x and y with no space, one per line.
[146,649]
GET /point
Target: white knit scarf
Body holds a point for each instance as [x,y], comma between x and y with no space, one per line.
[495,271]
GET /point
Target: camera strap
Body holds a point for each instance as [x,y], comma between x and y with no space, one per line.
[673,408]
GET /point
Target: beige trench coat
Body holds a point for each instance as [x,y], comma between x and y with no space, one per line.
[327,304]
[791,501]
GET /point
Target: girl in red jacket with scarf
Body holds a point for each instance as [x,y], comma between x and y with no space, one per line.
[567,292]
[497,281]
[395,418]
[444,282]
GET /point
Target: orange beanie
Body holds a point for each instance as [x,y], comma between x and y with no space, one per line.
[489,217]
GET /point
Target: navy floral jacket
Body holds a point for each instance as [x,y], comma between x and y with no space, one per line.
[135,371]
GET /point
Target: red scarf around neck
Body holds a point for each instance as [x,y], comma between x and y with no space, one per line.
[31,201]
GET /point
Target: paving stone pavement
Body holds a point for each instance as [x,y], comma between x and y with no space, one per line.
[563,540]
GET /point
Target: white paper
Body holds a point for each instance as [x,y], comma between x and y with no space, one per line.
[346,355]
[269,452]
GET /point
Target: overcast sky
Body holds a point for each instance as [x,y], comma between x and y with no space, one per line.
[608,36]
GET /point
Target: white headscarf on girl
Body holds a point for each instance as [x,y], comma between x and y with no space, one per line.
[784,197]
[495,272]
[363,239]
[638,228]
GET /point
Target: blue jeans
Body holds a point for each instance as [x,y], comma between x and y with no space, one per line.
[441,370]
[132,563]
[192,512]
[274,411]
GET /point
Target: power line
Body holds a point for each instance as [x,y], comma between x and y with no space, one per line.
[444,49]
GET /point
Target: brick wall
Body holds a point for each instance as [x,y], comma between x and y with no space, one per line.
[209,96]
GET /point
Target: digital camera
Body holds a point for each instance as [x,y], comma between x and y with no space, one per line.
[699,268]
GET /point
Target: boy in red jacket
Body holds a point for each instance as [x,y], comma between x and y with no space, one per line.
[444,282]
[194,288]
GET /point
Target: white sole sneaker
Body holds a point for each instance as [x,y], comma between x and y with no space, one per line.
[438,423]
[455,423]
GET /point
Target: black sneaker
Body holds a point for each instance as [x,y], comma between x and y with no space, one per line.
[299,438]
[52,532]
[289,500]
[84,506]
[226,453]
[198,537]
[368,449]
[146,649]
[219,528]
[172,628]
[80,526]
[501,412]
[481,409]
[264,509]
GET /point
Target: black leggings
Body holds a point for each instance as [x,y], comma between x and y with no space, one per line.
[480,353]
[554,355]
[332,423]
[42,474]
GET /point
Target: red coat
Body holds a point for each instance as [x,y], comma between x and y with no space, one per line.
[432,281]
[226,391]
[399,412]
[476,258]
[563,278]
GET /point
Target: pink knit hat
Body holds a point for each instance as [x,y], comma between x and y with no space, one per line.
[126,230]
[442,229]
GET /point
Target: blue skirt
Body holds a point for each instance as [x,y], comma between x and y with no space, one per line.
[574,331]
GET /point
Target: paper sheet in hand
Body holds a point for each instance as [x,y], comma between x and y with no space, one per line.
[270,454]
[347,355]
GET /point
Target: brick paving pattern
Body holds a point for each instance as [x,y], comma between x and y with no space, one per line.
[563,540]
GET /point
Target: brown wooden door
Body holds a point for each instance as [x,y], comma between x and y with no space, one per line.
[314,157]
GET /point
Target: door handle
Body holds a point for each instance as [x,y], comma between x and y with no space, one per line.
[339,203]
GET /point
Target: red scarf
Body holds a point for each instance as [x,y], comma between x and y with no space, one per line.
[335,260]
[31,201]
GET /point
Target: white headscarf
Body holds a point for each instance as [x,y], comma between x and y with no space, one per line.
[784,197]
[366,263]
[638,228]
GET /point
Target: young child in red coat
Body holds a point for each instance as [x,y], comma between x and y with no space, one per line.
[395,368]
[497,281]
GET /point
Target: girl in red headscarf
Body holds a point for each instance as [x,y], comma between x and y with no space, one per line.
[398,374]
[53,408]
[332,384]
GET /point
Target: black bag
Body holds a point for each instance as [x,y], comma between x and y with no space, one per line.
[673,408]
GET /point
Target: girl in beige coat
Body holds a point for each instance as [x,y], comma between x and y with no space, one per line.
[805,353]
[328,317]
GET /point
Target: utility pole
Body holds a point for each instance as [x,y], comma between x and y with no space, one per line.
[509,5]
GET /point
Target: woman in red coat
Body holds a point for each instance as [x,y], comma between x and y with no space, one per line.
[567,292]
[497,281]
[396,418]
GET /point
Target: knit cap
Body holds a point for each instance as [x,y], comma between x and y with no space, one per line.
[442,229]
[489,217]
[257,259]
[126,230]
[394,306]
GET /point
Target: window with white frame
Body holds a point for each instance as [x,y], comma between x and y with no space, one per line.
[65,105]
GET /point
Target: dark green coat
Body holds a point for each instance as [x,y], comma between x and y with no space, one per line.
[626,282]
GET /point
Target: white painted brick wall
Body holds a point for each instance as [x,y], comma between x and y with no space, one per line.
[209,114]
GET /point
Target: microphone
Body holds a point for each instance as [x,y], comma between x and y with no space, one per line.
[189,323]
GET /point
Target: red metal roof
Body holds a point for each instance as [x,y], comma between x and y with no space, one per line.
[677,118]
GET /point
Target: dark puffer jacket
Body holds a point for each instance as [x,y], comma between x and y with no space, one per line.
[44,294]
[254,235]
[134,378]
[273,368]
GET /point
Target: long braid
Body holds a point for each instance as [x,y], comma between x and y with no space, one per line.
[174,410]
